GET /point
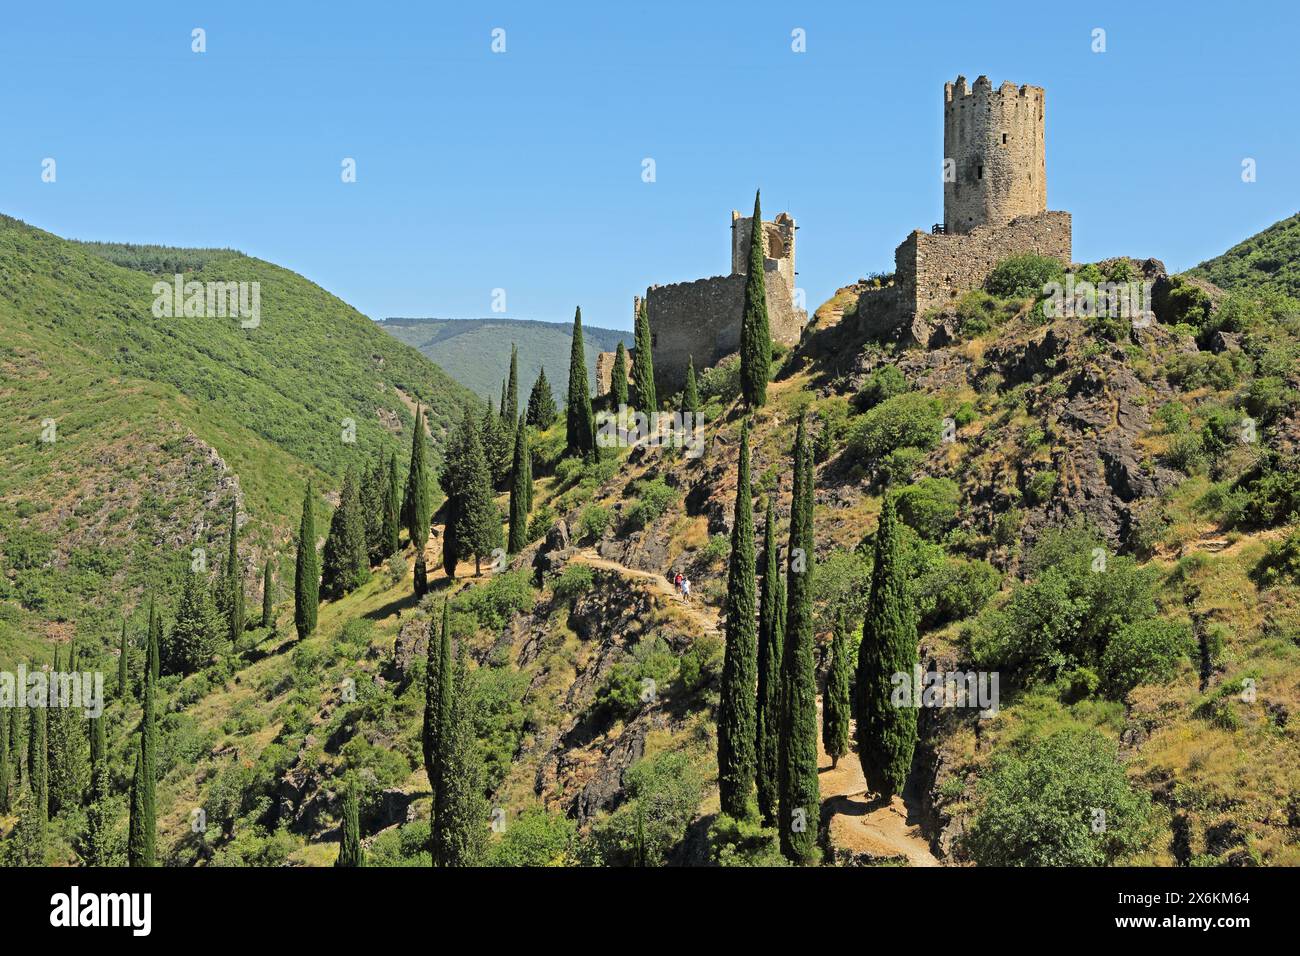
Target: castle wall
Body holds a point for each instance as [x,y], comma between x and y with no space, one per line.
[996,138]
[934,270]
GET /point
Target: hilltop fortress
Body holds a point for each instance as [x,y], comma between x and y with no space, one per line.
[994,206]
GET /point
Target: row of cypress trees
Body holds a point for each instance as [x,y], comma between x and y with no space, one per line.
[767,718]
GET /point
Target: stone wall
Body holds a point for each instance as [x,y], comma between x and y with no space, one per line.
[605,370]
[934,270]
[996,140]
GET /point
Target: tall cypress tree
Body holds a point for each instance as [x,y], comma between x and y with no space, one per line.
[580,421]
[345,564]
[618,378]
[541,403]
[374,493]
[691,393]
[771,635]
[68,770]
[392,510]
[439,648]
[268,596]
[510,403]
[497,439]
[306,578]
[737,710]
[528,471]
[153,649]
[460,837]
[143,832]
[123,664]
[886,734]
[473,522]
[350,852]
[438,723]
[196,631]
[17,748]
[232,581]
[27,843]
[800,797]
[6,775]
[417,506]
[643,363]
[835,702]
[38,767]
[97,849]
[755,331]
[520,493]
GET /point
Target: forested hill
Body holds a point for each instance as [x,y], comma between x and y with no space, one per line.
[471,349]
[124,434]
[1267,261]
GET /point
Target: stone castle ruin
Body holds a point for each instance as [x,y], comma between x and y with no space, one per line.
[700,320]
[994,206]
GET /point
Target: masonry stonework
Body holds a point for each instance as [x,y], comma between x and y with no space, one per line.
[700,321]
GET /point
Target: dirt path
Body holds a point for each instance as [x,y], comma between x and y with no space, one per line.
[876,829]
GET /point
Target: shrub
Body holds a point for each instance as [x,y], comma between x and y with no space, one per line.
[654,497]
[833,425]
[910,420]
[535,838]
[899,466]
[574,581]
[592,522]
[632,683]
[663,795]
[1178,302]
[494,603]
[1280,564]
[1144,652]
[1022,277]
[1039,488]
[884,383]
[1186,452]
[720,384]
[1039,808]
[954,589]
[929,506]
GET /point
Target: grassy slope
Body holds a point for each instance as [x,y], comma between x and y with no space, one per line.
[141,403]
[1269,260]
[478,350]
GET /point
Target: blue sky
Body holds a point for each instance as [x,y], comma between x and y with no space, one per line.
[522,170]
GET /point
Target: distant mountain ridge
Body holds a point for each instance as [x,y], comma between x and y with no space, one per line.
[476,352]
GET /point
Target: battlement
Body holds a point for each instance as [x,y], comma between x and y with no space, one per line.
[995,166]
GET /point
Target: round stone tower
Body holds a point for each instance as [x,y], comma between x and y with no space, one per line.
[995,169]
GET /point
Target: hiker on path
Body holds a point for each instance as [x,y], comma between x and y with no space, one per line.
[686,590]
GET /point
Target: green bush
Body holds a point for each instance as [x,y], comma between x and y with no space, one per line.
[664,794]
[1023,276]
[1280,564]
[1144,652]
[633,683]
[883,383]
[653,499]
[494,603]
[910,420]
[574,581]
[720,384]
[929,506]
[953,590]
[1039,488]
[1065,802]
[592,522]
[535,838]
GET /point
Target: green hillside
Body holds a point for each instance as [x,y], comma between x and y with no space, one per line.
[157,422]
[1268,261]
[477,351]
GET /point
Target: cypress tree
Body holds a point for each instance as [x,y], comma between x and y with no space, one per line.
[755,332]
[374,494]
[143,833]
[416,508]
[691,393]
[17,748]
[438,650]
[737,711]
[473,518]
[835,702]
[306,577]
[232,582]
[771,635]
[268,596]
[27,843]
[195,634]
[350,852]
[643,364]
[6,775]
[392,510]
[345,565]
[580,421]
[460,836]
[153,650]
[510,401]
[579,418]
[520,493]
[886,734]
[541,403]
[68,770]
[800,797]
[99,821]
[56,744]
[123,663]
[38,768]
[618,378]
[497,440]
[421,576]
[528,470]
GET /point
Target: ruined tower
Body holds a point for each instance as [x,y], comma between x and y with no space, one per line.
[995,168]
[778,236]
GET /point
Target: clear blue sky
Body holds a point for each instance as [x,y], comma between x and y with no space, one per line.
[522,170]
